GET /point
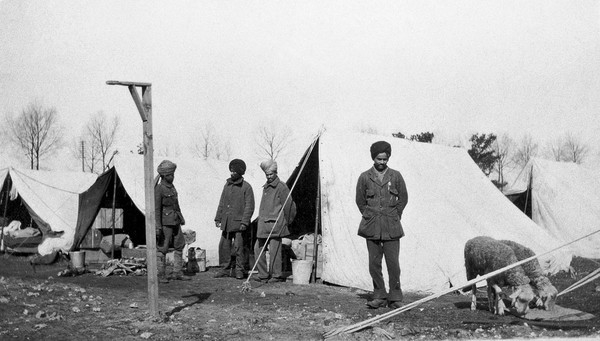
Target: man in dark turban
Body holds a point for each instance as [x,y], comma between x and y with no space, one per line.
[235,210]
[168,219]
[381,197]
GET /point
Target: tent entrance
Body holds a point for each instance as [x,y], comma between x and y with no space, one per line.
[17,210]
[306,194]
[95,213]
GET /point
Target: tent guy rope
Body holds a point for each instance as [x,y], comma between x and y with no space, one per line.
[246,286]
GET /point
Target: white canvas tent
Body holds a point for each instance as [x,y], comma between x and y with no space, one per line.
[52,199]
[450,201]
[564,199]
[199,184]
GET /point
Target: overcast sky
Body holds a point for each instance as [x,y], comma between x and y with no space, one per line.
[452,67]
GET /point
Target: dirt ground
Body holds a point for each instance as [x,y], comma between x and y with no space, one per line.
[40,305]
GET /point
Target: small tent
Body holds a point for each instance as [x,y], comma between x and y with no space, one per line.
[51,199]
[450,201]
[108,193]
[564,199]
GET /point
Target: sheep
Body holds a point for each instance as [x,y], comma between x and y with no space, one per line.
[484,255]
[546,292]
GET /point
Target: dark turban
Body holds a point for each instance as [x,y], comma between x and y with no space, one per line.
[166,167]
[380,147]
[238,166]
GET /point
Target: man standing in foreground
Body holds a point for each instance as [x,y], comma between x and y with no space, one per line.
[168,220]
[235,210]
[274,200]
[381,197]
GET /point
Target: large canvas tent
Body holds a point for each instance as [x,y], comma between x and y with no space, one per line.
[450,201]
[108,192]
[52,202]
[564,199]
[199,183]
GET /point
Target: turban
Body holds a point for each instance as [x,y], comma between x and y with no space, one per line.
[166,167]
[380,147]
[238,166]
[269,165]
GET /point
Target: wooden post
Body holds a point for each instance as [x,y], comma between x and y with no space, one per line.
[82,156]
[144,106]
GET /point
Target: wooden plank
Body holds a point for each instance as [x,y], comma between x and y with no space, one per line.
[138,103]
[128,83]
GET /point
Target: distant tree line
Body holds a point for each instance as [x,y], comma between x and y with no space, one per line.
[497,155]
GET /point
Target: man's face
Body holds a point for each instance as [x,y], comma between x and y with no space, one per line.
[270,176]
[234,175]
[169,178]
[380,161]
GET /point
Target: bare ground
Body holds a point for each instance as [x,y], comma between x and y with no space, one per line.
[40,305]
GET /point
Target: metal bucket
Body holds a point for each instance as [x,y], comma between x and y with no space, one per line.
[301,271]
[201,259]
[77,259]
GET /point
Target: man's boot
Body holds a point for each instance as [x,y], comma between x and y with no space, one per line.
[162,268]
[178,267]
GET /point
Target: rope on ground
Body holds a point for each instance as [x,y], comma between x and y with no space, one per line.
[391,313]
[587,279]
[246,286]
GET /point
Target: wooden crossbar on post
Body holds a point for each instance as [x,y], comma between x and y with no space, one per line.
[144,106]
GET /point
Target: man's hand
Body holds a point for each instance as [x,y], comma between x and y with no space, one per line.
[243,227]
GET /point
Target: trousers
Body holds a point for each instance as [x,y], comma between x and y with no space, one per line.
[390,249]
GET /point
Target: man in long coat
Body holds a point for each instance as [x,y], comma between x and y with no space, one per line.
[235,210]
[277,211]
[381,197]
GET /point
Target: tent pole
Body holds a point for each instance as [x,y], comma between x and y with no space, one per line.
[112,250]
[317,221]
[4,214]
[528,192]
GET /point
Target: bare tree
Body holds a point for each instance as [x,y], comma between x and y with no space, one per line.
[555,149]
[36,132]
[272,139]
[96,144]
[504,147]
[204,143]
[85,151]
[208,144]
[169,149]
[526,150]
[574,150]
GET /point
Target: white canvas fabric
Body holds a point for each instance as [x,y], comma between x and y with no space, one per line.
[450,201]
[54,198]
[199,184]
[565,201]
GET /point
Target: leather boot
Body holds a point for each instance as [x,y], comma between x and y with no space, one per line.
[178,266]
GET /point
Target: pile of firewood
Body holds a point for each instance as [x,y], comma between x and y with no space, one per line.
[123,266]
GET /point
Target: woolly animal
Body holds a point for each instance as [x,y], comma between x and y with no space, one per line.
[546,292]
[484,255]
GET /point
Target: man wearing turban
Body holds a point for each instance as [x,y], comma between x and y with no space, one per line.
[381,197]
[276,212]
[235,210]
[168,220]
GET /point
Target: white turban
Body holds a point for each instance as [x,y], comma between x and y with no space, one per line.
[269,165]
